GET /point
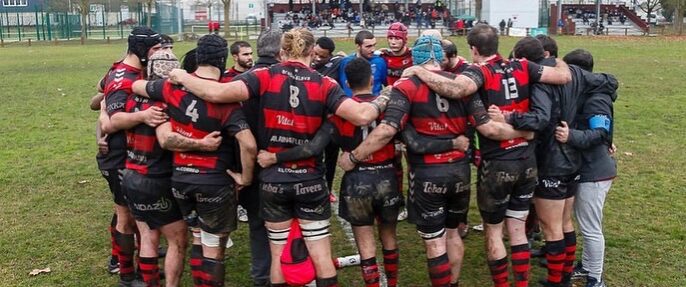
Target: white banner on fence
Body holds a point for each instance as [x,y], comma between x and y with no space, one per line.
[518,32]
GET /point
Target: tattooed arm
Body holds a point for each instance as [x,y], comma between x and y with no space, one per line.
[459,87]
[172,141]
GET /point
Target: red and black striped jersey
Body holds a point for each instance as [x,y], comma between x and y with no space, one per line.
[228,75]
[117,89]
[194,118]
[143,152]
[396,65]
[505,84]
[349,136]
[432,115]
[458,68]
[294,101]
[235,158]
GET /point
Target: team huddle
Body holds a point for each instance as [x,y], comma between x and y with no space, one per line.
[183,143]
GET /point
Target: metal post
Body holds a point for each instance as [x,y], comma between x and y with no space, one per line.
[37,29]
[49,28]
[68,26]
[18,27]
[1,36]
[104,24]
[121,26]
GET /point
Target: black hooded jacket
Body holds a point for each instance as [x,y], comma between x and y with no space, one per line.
[552,104]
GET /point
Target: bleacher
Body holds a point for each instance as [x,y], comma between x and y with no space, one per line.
[632,26]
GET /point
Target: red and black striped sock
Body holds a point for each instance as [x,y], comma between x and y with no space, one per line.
[499,272]
[327,282]
[150,271]
[213,271]
[113,237]
[570,252]
[126,244]
[196,265]
[370,272]
[391,258]
[520,264]
[555,255]
[439,271]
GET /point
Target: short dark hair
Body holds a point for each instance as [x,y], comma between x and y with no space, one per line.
[581,58]
[449,48]
[269,43]
[484,38]
[327,44]
[167,40]
[549,44]
[189,61]
[236,47]
[363,35]
[529,48]
[358,71]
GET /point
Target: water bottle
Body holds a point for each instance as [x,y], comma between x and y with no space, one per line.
[346,261]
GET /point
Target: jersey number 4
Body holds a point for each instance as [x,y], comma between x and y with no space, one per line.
[192,112]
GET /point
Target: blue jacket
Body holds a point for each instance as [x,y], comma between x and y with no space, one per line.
[379,71]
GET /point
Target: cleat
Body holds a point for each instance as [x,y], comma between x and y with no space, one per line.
[113,265]
[479,227]
[579,272]
[242,214]
[592,282]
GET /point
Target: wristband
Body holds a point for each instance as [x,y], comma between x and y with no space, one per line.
[353,159]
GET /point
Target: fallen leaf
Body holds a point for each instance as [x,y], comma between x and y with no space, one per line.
[83,181]
[628,153]
[39,271]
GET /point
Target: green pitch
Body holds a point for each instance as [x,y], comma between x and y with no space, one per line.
[55,207]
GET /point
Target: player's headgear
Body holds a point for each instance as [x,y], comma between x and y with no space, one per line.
[212,50]
[141,39]
[425,49]
[397,29]
[161,63]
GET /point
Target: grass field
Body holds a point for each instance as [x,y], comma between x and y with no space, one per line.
[55,206]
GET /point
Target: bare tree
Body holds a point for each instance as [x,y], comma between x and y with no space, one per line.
[649,6]
[677,7]
[148,5]
[478,6]
[84,8]
[227,11]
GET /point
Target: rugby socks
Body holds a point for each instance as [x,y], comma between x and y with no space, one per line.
[555,255]
[499,272]
[150,271]
[570,252]
[370,272]
[391,258]
[113,237]
[520,264]
[439,271]
[196,265]
[327,282]
[126,244]
[214,272]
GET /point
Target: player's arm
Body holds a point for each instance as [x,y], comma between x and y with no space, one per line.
[118,119]
[459,87]
[362,114]
[420,144]
[490,128]
[248,148]
[173,141]
[599,124]
[558,75]
[101,139]
[95,101]
[314,147]
[211,91]
[538,116]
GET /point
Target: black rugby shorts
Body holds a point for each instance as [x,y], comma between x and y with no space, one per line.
[303,200]
[439,195]
[505,188]
[212,208]
[150,199]
[367,195]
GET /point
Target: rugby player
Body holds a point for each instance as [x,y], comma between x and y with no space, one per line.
[204,188]
[293,102]
[436,180]
[116,86]
[241,52]
[507,173]
[451,61]
[366,45]
[398,57]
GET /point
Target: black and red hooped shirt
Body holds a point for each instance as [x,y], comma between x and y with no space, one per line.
[144,153]
[194,118]
[432,115]
[294,102]
[505,84]
[116,86]
[396,65]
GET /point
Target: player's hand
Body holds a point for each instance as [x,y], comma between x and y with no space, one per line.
[562,132]
[612,149]
[103,105]
[461,143]
[495,114]
[411,71]
[344,162]
[176,76]
[154,116]
[103,147]
[266,159]
[211,141]
[238,179]
[529,135]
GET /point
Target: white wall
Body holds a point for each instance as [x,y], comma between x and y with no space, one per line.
[524,13]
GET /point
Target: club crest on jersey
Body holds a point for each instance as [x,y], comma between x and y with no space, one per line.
[294,100]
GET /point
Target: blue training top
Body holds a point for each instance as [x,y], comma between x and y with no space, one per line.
[379,72]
